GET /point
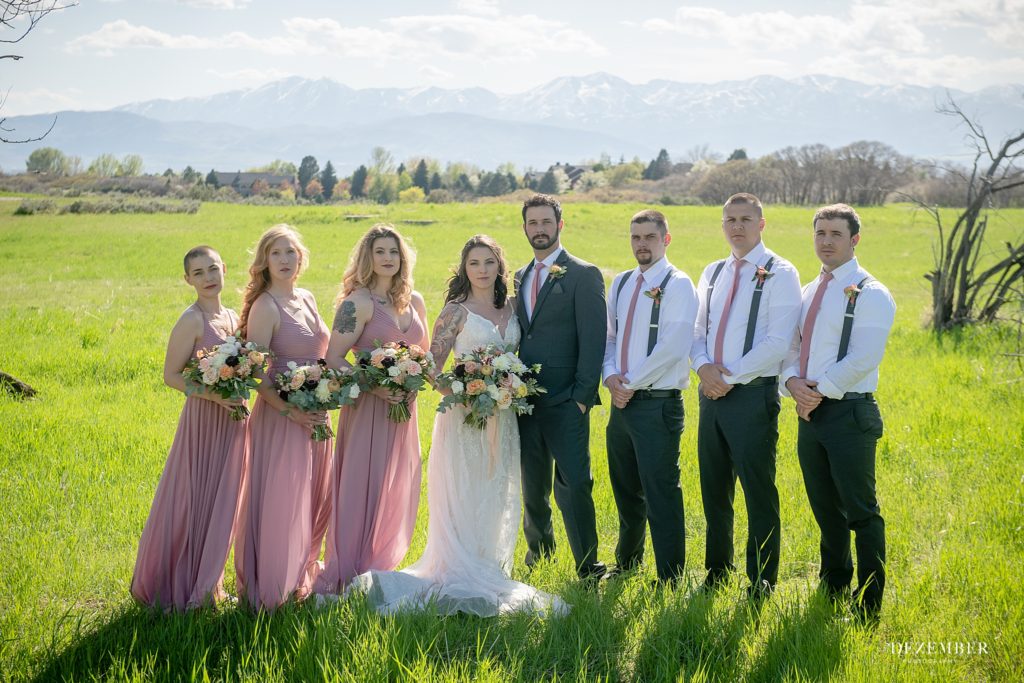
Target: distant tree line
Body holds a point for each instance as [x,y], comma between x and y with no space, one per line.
[862,173]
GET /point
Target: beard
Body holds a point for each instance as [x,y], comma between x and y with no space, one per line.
[542,241]
[645,258]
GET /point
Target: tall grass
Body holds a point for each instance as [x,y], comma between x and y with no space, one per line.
[86,303]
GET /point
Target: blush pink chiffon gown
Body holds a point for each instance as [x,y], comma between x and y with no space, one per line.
[286,504]
[187,536]
[376,488]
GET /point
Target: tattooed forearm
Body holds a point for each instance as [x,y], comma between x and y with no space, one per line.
[345,318]
[448,325]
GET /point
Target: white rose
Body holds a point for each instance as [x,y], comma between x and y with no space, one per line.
[504,399]
[218,360]
[323,392]
[514,381]
[353,391]
[493,391]
[394,371]
[292,365]
[210,375]
[458,387]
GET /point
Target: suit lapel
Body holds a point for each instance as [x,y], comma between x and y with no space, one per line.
[524,321]
[549,283]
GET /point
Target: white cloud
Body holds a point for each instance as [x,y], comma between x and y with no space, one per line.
[948,42]
[216,4]
[20,102]
[432,73]
[250,75]
[488,8]
[506,38]
[479,38]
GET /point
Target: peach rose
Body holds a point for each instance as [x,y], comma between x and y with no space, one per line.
[476,387]
[226,372]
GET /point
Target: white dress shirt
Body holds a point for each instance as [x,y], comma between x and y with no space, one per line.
[872,319]
[777,317]
[526,286]
[668,365]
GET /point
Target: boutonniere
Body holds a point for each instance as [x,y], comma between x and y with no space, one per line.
[654,293]
[556,272]
[760,275]
[852,292]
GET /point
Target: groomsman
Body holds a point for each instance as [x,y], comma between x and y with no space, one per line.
[646,367]
[749,306]
[561,310]
[832,373]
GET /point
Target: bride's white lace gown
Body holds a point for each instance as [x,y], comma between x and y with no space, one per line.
[473,495]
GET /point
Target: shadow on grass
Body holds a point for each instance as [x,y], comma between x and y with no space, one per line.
[806,644]
[622,632]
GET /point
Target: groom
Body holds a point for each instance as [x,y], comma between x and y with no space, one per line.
[561,309]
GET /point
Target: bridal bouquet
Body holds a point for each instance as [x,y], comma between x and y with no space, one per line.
[489,379]
[227,370]
[312,388]
[396,366]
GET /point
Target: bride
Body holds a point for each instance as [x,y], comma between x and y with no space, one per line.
[472,474]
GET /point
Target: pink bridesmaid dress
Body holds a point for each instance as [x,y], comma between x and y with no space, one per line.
[187,536]
[286,504]
[376,487]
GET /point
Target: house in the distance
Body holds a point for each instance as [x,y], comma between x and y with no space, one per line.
[573,173]
[243,182]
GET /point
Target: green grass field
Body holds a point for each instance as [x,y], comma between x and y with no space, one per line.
[87,302]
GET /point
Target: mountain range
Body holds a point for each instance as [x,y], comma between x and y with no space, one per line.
[568,119]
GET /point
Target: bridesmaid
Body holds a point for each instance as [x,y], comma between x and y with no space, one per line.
[286,504]
[376,484]
[187,536]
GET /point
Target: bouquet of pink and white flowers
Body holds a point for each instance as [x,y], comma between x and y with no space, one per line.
[489,379]
[396,366]
[227,369]
[312,388]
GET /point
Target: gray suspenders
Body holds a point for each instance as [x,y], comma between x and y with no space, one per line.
[851,303]
[755,303]
[652,335]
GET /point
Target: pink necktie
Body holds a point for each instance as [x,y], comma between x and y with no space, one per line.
[535,289]
[737,266]
[812,315]
[624,356]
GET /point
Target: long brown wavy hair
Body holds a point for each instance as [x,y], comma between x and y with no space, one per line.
[359,272]
[259,271]
[459,285]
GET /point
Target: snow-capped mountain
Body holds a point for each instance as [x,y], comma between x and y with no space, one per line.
[567,119]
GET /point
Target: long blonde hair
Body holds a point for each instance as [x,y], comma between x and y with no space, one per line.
[359,272]
[259,271]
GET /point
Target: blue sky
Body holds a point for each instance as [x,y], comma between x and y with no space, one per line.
[102,53]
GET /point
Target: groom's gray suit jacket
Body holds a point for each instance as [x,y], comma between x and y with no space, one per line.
[566,334]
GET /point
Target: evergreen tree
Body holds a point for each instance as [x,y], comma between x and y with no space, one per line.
[190,176]
[435,181]
[421,178]
[358,187]
[738,154]
[328,179]
[211,179]
[660,167]
[548,184]
[308,170]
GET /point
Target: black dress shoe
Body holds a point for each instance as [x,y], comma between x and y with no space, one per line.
[714,580]
[760,591]
[621,571]
[835,594]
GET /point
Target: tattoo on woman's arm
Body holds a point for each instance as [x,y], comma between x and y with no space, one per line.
[445,330]
[345,318]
